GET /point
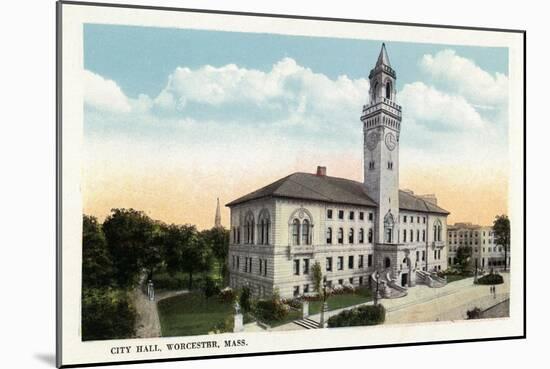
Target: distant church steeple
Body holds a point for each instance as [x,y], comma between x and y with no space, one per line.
[218,218]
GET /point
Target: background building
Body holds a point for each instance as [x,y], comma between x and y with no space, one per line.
[482,241]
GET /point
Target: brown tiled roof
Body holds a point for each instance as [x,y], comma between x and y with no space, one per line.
[308,186]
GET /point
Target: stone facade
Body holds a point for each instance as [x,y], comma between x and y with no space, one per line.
[351,229]
[482,241]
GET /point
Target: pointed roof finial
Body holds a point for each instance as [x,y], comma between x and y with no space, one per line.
[218,218]
[383,58]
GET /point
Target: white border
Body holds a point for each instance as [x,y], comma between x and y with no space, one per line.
[77,352]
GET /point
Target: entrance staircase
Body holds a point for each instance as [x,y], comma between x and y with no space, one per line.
[388,287]
[307,323]
[430,279]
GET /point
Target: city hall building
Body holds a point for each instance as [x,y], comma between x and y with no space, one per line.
[353,229]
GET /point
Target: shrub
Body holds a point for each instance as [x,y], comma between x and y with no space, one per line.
[227,295]
[491,279]
[210,288]
[296,303]
[107,314]
[271,310]
[363,315]
[244,300]
[474,313]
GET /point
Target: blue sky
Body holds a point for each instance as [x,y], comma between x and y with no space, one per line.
[188,110]
[141,58]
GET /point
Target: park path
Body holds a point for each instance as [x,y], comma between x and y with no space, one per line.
[148,322]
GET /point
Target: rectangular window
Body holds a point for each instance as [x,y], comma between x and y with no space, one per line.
[423,235]
[404,235]
[306,266]
[369,260]
[261,264]
[329,214]
[296,292]
[328,265]
[371,216]
[412,235]
[417,235]
[350,262]
[417,219]
[351,215]
[404,219]
[423,255]
[360,264]
[340,214]
[424,220]
[340,263]
[351,280]
[265,267]
[411,218]
[340,282]
[417,255]
[306,288]
[360,281]
[296,266]
[361,215]
[340,235]
[435,254]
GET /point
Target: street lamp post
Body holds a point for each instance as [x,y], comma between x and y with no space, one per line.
[377,275]
[324,305]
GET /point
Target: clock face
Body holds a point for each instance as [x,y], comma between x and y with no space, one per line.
[391,141]
[372,140]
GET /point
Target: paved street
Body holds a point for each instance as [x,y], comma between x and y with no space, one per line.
[424,304]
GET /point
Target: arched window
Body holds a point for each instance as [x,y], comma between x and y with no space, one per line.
[264,227]
[249,228]
[350,236]
[305,232]
[437,230]
[375,91]
[388,227]
[329,236]
[370,235]
[361,235]
[388,90]
[387,262]
[340,235]
[296,232]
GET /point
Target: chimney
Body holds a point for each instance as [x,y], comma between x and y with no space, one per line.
[429,198]
[321,171]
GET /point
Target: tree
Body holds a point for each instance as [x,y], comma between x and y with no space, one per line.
[128,233]
[317,274]
[186,251]
[463,255]
[97,266]
[501,227]
[176,238]
[217,239]
[152,257]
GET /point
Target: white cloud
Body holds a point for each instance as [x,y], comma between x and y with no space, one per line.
[104,94]
[466,78]
[288,89]
[437,110]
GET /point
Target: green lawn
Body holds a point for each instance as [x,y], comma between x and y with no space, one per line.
[341,301]
[164,281]
[191,314]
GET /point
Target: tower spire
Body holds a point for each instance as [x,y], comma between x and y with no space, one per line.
[383,58]
[218,218]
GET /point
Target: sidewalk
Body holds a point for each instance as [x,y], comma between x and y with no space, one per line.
[430,304]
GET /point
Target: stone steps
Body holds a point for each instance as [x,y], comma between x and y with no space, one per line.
[307,323]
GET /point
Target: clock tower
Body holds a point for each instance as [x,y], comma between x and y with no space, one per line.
[381,127]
